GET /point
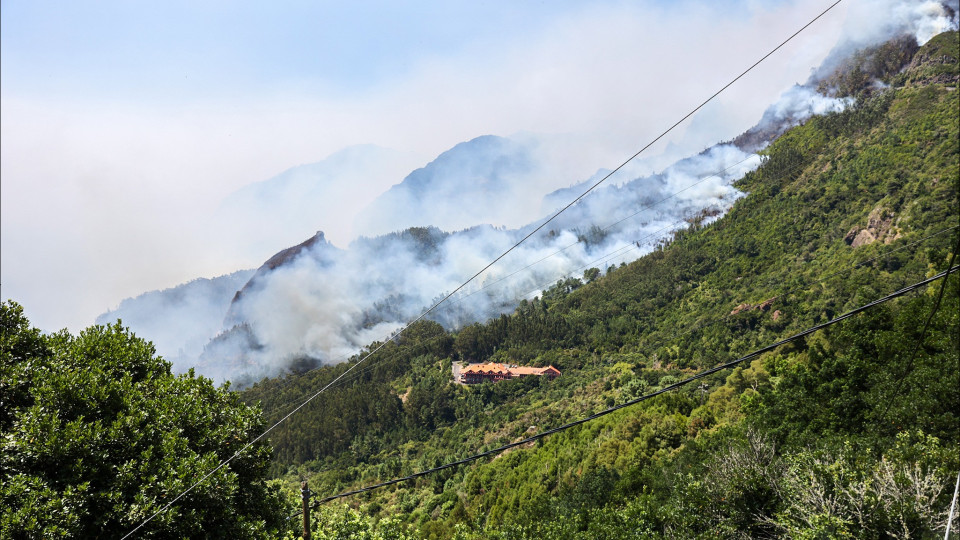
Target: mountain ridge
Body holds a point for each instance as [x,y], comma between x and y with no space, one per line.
[750,450]
[376,304]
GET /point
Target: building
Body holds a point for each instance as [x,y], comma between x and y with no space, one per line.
[494,372]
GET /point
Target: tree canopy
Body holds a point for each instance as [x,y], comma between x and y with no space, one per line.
[850,432]
[98,435]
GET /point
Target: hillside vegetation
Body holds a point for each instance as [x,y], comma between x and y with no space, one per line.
[97,435]
[851,431]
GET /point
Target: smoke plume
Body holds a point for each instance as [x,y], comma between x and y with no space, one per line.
[325,304]
[319,304]
[180,320]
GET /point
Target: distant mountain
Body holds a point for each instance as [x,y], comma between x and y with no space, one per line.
[180,320]
[845,209]
[282,209]
[314,304]
[489,179]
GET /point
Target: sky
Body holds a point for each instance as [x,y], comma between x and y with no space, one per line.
[124,124]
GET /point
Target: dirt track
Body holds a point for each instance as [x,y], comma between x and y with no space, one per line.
[456,367]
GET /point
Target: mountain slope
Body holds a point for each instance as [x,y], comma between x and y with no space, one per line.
[180,320]
[327,305]
[845,208]
[283,208]
[486,171]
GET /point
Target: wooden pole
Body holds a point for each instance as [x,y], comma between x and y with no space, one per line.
[305,492]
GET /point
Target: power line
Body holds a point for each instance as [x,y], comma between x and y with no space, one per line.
[485,268]
[375,363]
[614,224]
[953,505]
[645,397]
[459,301]
[916,347]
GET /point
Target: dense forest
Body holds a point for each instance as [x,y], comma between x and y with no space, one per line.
[850,431]
[98,436]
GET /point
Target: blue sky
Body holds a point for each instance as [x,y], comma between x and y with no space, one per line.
[184,50]
[125,123]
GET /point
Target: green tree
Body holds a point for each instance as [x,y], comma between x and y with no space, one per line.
[98,435]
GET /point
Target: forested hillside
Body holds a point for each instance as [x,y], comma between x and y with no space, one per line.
[98,437]
[849,432]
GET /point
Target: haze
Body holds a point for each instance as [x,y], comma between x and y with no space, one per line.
[124,126]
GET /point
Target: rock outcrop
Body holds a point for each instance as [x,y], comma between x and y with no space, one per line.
[880,226]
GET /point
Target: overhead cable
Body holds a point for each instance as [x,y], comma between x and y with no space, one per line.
[485,268]
[645,397]
[916,347]
[823,277]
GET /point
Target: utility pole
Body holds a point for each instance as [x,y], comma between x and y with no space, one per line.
[305,492]
[703,391]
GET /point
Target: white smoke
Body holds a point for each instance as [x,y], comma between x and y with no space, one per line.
[325,305]
[180,320]
[322,308]
[794,106]
[876,21]
[801,102]
[931,18]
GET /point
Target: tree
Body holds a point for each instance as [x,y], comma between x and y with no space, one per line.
[98,435]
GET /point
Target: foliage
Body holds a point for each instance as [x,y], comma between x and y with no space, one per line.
[843,433]
[98,436]
[849,432]
[857,73]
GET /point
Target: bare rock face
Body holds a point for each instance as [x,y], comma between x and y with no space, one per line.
[851,235]
[880,226]
[937,62]
[762,306]
[864,237]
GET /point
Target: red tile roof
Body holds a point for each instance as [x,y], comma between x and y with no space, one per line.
[508,371]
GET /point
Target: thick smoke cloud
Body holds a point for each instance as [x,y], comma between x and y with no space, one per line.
[800,103]
[180,320]
[276,212]
[326,304]
[873,22]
